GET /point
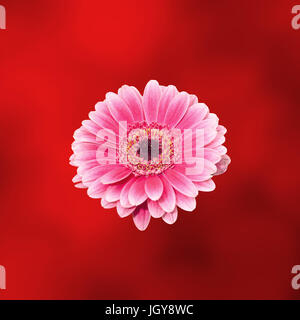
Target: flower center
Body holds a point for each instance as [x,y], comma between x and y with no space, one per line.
[148,149]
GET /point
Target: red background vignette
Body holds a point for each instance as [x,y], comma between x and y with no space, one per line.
[58,58]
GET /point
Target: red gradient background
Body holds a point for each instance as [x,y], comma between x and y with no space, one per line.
[58,58]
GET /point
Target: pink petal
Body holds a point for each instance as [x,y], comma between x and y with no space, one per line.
[219,138]
[151,97]
[84,166]
[113,192]
[154,187]
[117,173]
[209,136]
[208,154]
[170,217]
[181,183]
[137,194]
[77,178]
[192,100]
[221,129]
[83,135]
[184,202]
[167,96]
[108,205]
[205,186]
[134,101]
[221,149]
[86,155]
[91,126]
[124,193]
[193,116]
[201,177]
[118,108]
[72,160]
[96,190]
[202,173]
[207,124]
[212,155]
[168,199]
[177,109]
[103,117]
[124,212]
[90,175]
[155,209]
[141,218]
[80,186]
[78,147]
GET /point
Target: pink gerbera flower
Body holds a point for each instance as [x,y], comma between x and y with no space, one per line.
[148,155]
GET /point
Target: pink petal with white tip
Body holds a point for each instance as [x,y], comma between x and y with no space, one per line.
[181,183]
[83,135]
[177,109]
[91,126]
[85,155]
[80,186]
[137,194]
[103,118]
[96,189]
[133,100]
[125,192]
[76,179]
[205,186]
[192,100]
[170,217]
[193,116]
[221,149]
[124,212]
[141,218]
[184,202]
[168,200]
[113,192]
[92,174]
[152,94]
[155,209]
[167,96]
[118,108]
[117,173]
[108,205]
[154,187]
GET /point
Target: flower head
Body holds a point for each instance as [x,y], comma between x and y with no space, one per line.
[149,154]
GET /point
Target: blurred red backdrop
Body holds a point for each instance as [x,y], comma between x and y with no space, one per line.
[58,58]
